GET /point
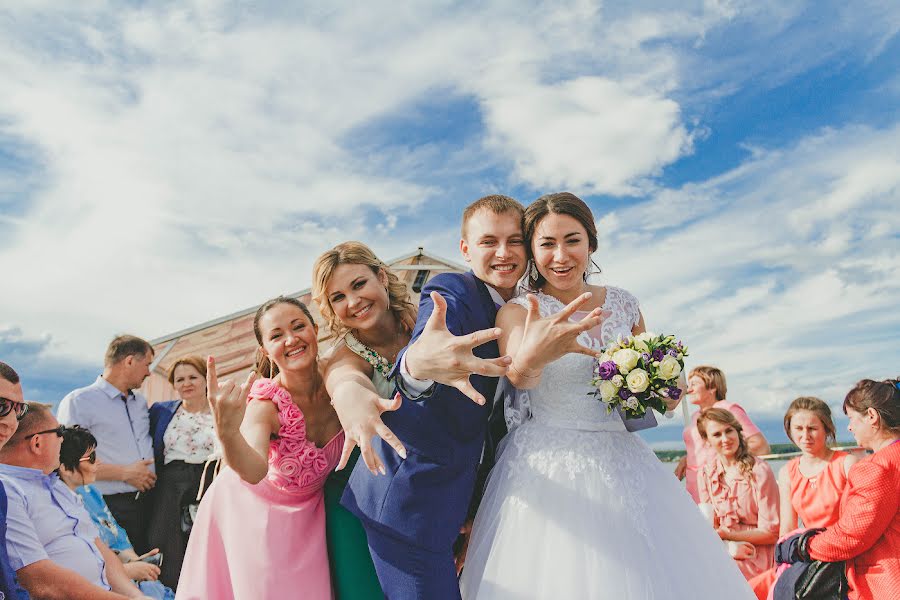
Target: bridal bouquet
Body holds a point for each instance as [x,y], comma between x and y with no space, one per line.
[638,373]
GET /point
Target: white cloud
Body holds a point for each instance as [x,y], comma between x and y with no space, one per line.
[787,273]
[183,161]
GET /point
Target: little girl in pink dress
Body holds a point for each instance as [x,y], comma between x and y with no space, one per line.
[266,540]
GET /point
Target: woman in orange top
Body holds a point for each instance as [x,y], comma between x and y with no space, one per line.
[867,534]
[811,484]
[742,491]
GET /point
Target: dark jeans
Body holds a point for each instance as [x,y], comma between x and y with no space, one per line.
[133,515]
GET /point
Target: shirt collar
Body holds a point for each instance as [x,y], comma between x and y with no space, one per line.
[23,472]
[495,296]
[109,389]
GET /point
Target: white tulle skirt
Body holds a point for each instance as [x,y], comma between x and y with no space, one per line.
[591,515]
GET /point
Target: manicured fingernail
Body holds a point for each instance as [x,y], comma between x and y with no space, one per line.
[402,452]
[381,470]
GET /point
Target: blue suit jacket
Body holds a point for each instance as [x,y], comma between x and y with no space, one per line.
[424,498]
[161,414]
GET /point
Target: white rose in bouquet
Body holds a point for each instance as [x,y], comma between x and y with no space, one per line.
[640,341]
[626,359]
[618,381]
[637,380]
[669,368]
[607,390]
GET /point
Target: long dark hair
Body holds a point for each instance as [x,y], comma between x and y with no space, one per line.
[265,367]
[559,203]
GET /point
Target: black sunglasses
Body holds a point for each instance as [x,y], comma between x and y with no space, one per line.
[7,405]
[59,431]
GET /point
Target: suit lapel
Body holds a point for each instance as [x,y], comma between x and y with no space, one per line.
[490,309]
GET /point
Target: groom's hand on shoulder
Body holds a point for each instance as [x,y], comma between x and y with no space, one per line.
[440,356]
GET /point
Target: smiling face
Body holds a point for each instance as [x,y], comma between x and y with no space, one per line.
[9,423]
[494,246]
[699,394]
[288,337]
[723,438]
[808,432]
[358,296]
[189,382]
[561,251]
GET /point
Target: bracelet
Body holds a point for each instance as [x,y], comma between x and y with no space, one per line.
[513,367]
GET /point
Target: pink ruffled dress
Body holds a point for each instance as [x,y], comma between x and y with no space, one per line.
[265,541]
[744,502]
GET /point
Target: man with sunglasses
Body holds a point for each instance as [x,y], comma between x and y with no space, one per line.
[51,541]
[12,409]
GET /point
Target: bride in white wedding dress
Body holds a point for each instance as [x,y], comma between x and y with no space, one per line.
[577,507]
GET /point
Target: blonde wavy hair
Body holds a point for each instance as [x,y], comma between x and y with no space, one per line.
[357,253]
[726,417]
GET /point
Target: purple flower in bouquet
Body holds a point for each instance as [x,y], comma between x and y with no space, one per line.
[658,354]
[607,370]
[646,358]
[624,393]
[672,352]
[674,393]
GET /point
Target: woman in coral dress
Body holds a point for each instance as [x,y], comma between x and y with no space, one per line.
[742,492]
[811,485]
[260,529]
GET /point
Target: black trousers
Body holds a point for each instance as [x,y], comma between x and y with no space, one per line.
[132,511]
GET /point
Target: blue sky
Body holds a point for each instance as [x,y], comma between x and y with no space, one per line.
[162,164]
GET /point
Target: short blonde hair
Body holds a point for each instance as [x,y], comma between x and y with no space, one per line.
[496,204]
[713,377]
[357,253]
[192,360]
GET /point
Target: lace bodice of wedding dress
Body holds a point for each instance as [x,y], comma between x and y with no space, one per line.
[562,398]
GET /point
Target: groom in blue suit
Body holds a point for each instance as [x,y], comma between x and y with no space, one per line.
[413,514]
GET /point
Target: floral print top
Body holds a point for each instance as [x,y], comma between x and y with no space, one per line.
[190,437]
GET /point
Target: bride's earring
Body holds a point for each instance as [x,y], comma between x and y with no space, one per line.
[533,272]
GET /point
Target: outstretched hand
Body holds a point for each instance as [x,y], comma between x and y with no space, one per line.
[440,356]
[361,421]
[228,403]
[546,339]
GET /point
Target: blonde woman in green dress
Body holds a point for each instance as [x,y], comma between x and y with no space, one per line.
[367,309]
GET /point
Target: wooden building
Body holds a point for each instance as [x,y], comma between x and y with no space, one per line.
[230,338]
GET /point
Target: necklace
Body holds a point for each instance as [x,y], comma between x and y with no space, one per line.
[378,362]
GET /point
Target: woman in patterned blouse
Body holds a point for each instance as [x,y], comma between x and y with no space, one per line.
[184,439]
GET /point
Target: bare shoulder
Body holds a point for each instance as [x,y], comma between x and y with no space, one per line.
[511,313]
[339,357]
[850,460]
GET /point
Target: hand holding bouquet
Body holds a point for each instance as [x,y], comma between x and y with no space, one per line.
[638,373]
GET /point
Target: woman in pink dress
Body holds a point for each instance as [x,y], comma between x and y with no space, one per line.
[742,492]
[811,485]
[707,389]
[260,529]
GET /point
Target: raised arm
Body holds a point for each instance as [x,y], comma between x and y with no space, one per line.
[534,341]
[244,430]
[359,407]
[441,352]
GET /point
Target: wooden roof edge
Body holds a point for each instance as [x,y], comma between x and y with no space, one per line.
[242,313]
